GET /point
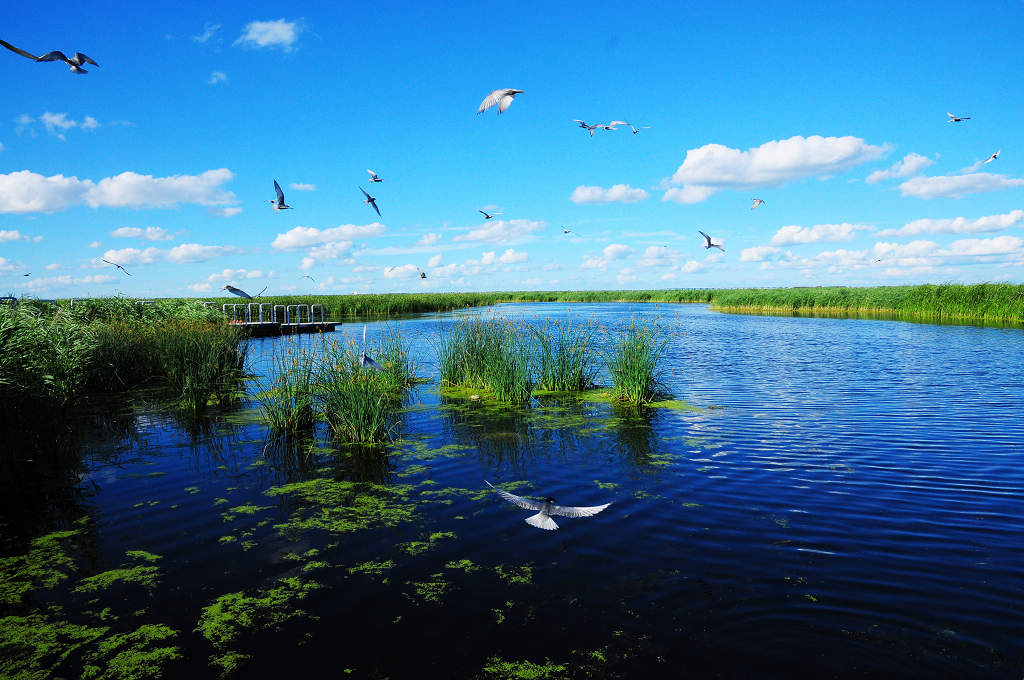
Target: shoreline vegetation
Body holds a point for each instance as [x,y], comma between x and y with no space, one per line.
[987,303]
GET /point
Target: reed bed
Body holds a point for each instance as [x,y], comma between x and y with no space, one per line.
[359,402]
[633,364]
[487,354]
[566,356]
[288,401]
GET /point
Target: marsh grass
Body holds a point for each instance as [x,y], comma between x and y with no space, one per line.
[360,403]
[201,362]
[633,364]
[566,356]
[489,354]
[288,402]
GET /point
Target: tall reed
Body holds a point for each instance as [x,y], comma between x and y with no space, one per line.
[359,402]
[488,354]
[633,363]
[202,362]
[288,399]
[566,356]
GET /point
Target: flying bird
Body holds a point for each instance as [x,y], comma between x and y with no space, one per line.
[27,274]
[371,200]
[237,291]
[74,62]
[18,50]
[503,98]
[488,216]
[364,358]
[588,128]
[279,203]
[546,508]
[423,274]
[638,129]
[118,266]
[373,176]
[307,276]
[566,230]
[612,125]
[708,243]
[262,291]
[956,119]
[993,156]
[757,202]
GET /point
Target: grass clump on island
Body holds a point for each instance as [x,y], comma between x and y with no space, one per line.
[633,364]
[491,354]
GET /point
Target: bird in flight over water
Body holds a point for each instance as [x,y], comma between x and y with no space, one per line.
[757,202]
[371,200]
[956,119]
[118,266]
[237,291]
[502,97]
[708,243]
[546,508]
[279,203]
[488,216]
[993,156]
[373,176]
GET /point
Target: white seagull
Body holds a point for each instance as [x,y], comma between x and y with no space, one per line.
[757,202]
[371,200]
[279,203]
[488,216]
[74,62]
[611,125]
[546,508]
[638,129]
[503,98]
[364,358]
[237,291]
[373,176]
[956,119]
[708,243]
[993,156]
[588,128]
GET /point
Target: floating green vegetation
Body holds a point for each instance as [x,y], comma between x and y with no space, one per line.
[249,509]
[462,565]
[607,486]
[141,575]
[192,490]
[295,557]
[36,646]
[566,356]
[45,565]
[633,364]
[133,656]
[372,567]
[431,591]
[521,575]
[234,616]
[342,506]
[499,669]
[420,547]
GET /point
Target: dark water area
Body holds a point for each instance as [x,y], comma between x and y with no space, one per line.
[844,501]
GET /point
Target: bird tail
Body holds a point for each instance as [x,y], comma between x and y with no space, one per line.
[541,521]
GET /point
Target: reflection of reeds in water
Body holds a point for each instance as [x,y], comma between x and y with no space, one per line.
[566,356]
[633,363]
[488,354]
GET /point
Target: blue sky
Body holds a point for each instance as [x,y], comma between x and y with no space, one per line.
[163,158]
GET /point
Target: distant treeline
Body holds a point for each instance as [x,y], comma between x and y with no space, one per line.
[984,302]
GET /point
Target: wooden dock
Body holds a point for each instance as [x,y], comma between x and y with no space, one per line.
[273,329]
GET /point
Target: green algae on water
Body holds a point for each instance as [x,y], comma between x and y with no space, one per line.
[36,646]
[45,565]
[340,506]
[431,591]
[133,656]
[522,574]
[372,567]
[499,669]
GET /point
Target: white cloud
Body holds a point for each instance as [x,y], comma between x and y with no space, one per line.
[502,231]
[15,235]
[226,212]
[957,186]
[429,239]
[510,256]
[757,253]
[89,124]
[999,245]
[200,287]
[194,252]
[278,33]
[25,191]
[236,275]
[691,267]
[300,186]
[794,234]
[53,266]
[434,261]
[331,251]
[149,233]
[406,271]
[714,167]
[614,251]
[957,225]
[217,77]
[8,266]
[209,30]
[95,244]
[303,237]
[911,164]
[186,252]
[56,123]
[618,192]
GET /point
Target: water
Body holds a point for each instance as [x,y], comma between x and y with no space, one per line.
[845,502]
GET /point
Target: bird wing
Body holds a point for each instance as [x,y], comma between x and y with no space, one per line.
[373,202]
[280,194]
[365,194]
[372,173]
[262,291]
[239,292]
[715,245]
[506,101]
[482,213]
[706,237]
[565,511]
[18,50]
[84,59]
[56,55]
[524,503]
[490,100]
[950,114]
[365,360]
[618,122]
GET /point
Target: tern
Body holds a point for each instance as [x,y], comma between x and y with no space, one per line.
[503,98]
[993,156]
[18,50]
[566,230]
[956,119]
[364,358]
[307,276]
[612,125]
[488,216]
[118,266]
[423,274]
[237,291]
[74,62]
[708,243]
[373,176]
[371,200]
[638,129]
[546,508]
[588,128]
[757,202]
[279,203]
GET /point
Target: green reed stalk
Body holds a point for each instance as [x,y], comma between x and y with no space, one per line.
[289,402]
[359,402]
[566,356]
[633,364]
[488,354]
[201,361]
